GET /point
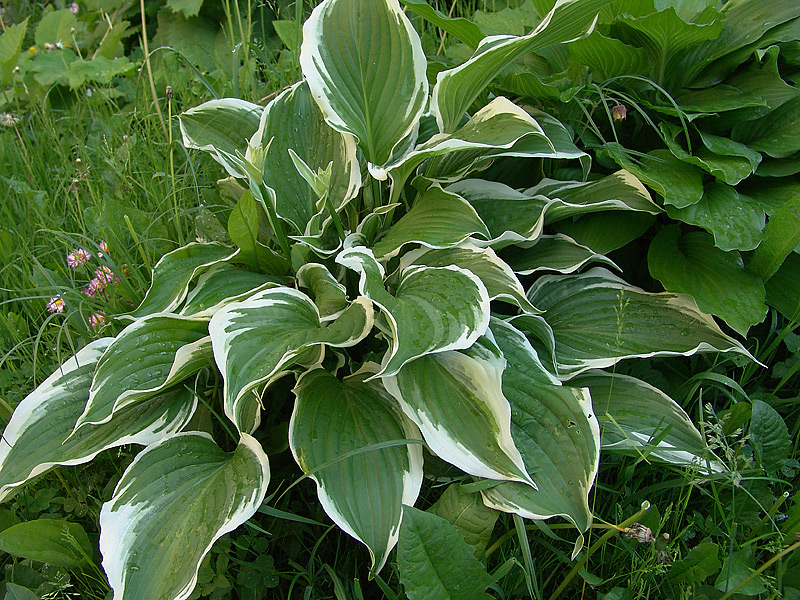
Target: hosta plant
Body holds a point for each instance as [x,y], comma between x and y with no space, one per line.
[375,264]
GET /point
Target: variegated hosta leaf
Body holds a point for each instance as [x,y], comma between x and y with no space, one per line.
[531,336]
[557,252]
[438,219]
[496,275]
[598,319]
[434,309]
[259,338]
[146,358]
[39,434]
[639,418]
[293,121]
[456,89]
[362,493]
[224,283]
[557,433]
[221,127]
[173,273]
[330,296]
[366,69]
[456,400]
[173,502]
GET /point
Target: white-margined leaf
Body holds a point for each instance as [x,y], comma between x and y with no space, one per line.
[224,283]
[557,252]
[39,434]
[173,273]
[365,67]
[456,89]
[222,128]
[330,296]
[364,492]
[438,219]
[532,336]
[639,419]
[434,309]
[146,358]
[598,319]
[173,502]
[556,431]
[293,121]
[258,338]
[457,401]
[496,275]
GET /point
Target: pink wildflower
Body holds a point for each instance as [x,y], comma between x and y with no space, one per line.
[78,257]
[56,305]
[91,289]
[73,8]
[97,320]
[105,276]
[103,249]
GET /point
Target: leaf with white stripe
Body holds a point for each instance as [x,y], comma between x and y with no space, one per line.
[433,309]
[457,401]
[598,319]
[364,492]
[224,283]
[638,418]
[293,121]
[39,434]
[259,338]
[456,89]
[557,252]
[438,219]
[173,502]
[557,433]
[146,358]
[365,67]
[173,273]
[330,296]
[496,275]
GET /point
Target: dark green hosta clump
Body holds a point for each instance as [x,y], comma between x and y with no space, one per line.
[367,267]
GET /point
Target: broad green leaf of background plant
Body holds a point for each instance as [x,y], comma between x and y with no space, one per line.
[636,417]
[781,236]
[552,253]
[40,432]
[777,134]
[783,288]
[10,46]
[363,493]
[462,29]
[173,273]
[717,280]
[609,57]
[365,67]
[737,569]
[294,121]
[222,284]
[456,89]
[51,541]
[17,592]
[434,309]
[457,401]
[557,433]
[605,232]
[769,437]
[222,128]
[173,502]
[146,358]
[256,339]
[55,27]
[189,8]
[467,512]
[598,320]
[434,561]
[438,219]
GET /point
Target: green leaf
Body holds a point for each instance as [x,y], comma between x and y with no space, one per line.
[606,232]
[736,568]
[609,57]
[221,127]
[463,30]
[55,27]
[552,253]
[10,46]
[598,320]
[467,513]
[783,288]
[781,236]
[221,284]
[717,280]
[557,433]
[699,563]
[363,493]
[735,221]
[433,309]
[366,69]
[17,592]
[51,541]
[496,275]
[776,134]
[293,121]
[511,338]
[258,339]
[40,432]
[189,8]
[434,561]
[243,227]
[456,400]
[636,417]
[330,296]
[769,437]
[147,357]
[456,89]
[173,273]
[173,502]
[194,38]
[288,33]
[438,219]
